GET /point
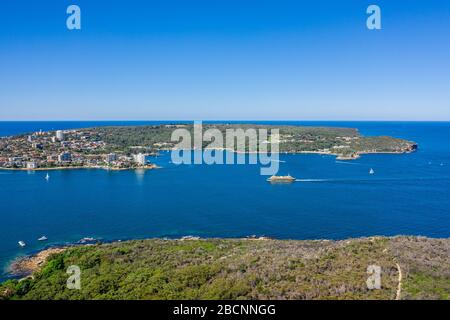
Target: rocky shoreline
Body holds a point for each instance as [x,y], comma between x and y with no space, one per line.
[216,268]
[26,266]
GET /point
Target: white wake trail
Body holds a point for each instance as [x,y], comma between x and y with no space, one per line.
[314,180]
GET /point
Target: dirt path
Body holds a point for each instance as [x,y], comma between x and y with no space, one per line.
[400,278]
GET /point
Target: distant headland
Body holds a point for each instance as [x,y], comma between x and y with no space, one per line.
[128,147]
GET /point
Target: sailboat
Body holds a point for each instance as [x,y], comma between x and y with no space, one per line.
[43,238]
[371,171]
[47,177]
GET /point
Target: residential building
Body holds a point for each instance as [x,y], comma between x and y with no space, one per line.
[140,158]
[60,135]
[37,146]
[111,157]
[31,165]
[65,157]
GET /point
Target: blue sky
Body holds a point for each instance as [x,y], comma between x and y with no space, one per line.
[247,59]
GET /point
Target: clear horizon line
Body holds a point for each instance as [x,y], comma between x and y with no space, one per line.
[231,120]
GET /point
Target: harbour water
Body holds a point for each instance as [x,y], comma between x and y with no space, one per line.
[408,194]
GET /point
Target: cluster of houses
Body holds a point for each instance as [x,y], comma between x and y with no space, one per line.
[60,148]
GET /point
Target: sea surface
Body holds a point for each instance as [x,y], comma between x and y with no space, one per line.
[409,194]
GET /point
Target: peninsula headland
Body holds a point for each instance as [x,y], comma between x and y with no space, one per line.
[128,147]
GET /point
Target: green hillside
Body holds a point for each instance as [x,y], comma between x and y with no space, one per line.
[244,269]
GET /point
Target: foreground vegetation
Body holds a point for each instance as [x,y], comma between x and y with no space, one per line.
[244,269]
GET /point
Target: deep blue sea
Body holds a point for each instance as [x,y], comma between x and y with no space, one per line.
[408,194]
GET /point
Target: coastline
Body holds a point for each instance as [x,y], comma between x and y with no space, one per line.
[253,268]
[325,141]
[338,156]
[25,266]
[154,166]
[149,167]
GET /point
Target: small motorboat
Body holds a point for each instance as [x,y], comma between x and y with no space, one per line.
[371,171]
[43,238]
[47,177]
[22,244]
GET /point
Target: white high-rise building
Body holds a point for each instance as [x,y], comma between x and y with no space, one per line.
[60,135]
[140,158]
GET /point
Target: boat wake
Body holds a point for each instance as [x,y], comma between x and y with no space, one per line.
[376,180]
[315,180]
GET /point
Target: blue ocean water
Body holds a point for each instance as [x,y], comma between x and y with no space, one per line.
[408,194]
